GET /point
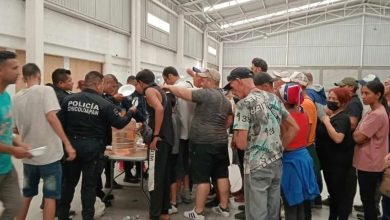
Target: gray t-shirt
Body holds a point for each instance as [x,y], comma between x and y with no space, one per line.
[209,123]
[29,113]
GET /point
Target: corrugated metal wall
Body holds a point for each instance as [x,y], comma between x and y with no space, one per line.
[154,34]
[330,51]
[272,49]
[376,50]
[113,12]
[210,57]
[193,42]
[333,44]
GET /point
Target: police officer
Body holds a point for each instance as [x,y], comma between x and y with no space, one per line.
[86,116]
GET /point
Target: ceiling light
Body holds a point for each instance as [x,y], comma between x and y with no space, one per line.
[279,13]
[225,5]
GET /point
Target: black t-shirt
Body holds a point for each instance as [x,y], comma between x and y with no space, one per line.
[330,152]
[166,130]
[355,107]
[88,114]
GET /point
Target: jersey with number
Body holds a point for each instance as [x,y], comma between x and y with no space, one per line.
[260,113]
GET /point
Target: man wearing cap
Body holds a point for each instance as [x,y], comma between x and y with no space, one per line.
[257,130]
[208,140]
[355,106]
[264,82]
[310,109]
[259,65]
[278,78]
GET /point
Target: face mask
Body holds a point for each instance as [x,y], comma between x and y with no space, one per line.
[332,105]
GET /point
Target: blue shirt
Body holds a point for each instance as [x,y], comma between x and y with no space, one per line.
[5,131]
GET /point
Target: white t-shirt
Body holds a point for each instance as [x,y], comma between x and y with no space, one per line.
[185,111]
[29,114]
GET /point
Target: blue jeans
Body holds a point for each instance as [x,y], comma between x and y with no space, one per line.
[51,175]
[385,207]
[89,152]
[262,192]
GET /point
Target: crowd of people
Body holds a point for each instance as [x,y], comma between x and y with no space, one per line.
[284,129]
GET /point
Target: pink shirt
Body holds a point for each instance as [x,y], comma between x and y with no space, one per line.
[370,155]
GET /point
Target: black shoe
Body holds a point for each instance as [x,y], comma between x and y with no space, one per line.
[360,216]
[241,207]
[115,185]
[212,203]
[317,204]
[358,208]
[240,215]
[108,203]
[72,212]
[131,180]
[326,201]
[108,198]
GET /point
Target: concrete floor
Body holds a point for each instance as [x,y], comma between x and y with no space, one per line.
[130,201]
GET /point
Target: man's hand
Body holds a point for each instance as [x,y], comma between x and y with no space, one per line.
[153,144]
[21,152]
[118,97]
[387,161]
[165,87]
[71,152]
[133,109]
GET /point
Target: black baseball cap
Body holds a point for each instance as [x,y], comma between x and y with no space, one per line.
[262,78]
[238,73]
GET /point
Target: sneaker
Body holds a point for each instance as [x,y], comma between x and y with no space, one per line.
[173,209]
[133,180]
[326,201]
[240,215]
[193,215]
[221,211]
[358,208]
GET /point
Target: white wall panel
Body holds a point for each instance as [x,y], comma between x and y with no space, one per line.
[346,32]
[12,22]
[153,33]
[152,54]
[376,42]
[113,12]
[213,59]
[116,13]
[376,55]
[102,13]
[242,57]
[60,30]
[193,42]
[332,76]
[121,73]
[380,73]
[324,56]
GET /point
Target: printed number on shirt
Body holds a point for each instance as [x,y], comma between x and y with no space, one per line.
[242,118]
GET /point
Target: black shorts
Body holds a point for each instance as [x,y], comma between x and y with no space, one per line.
[209,160]
[183,160]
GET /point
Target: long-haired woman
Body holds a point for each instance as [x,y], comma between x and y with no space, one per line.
[371,137]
